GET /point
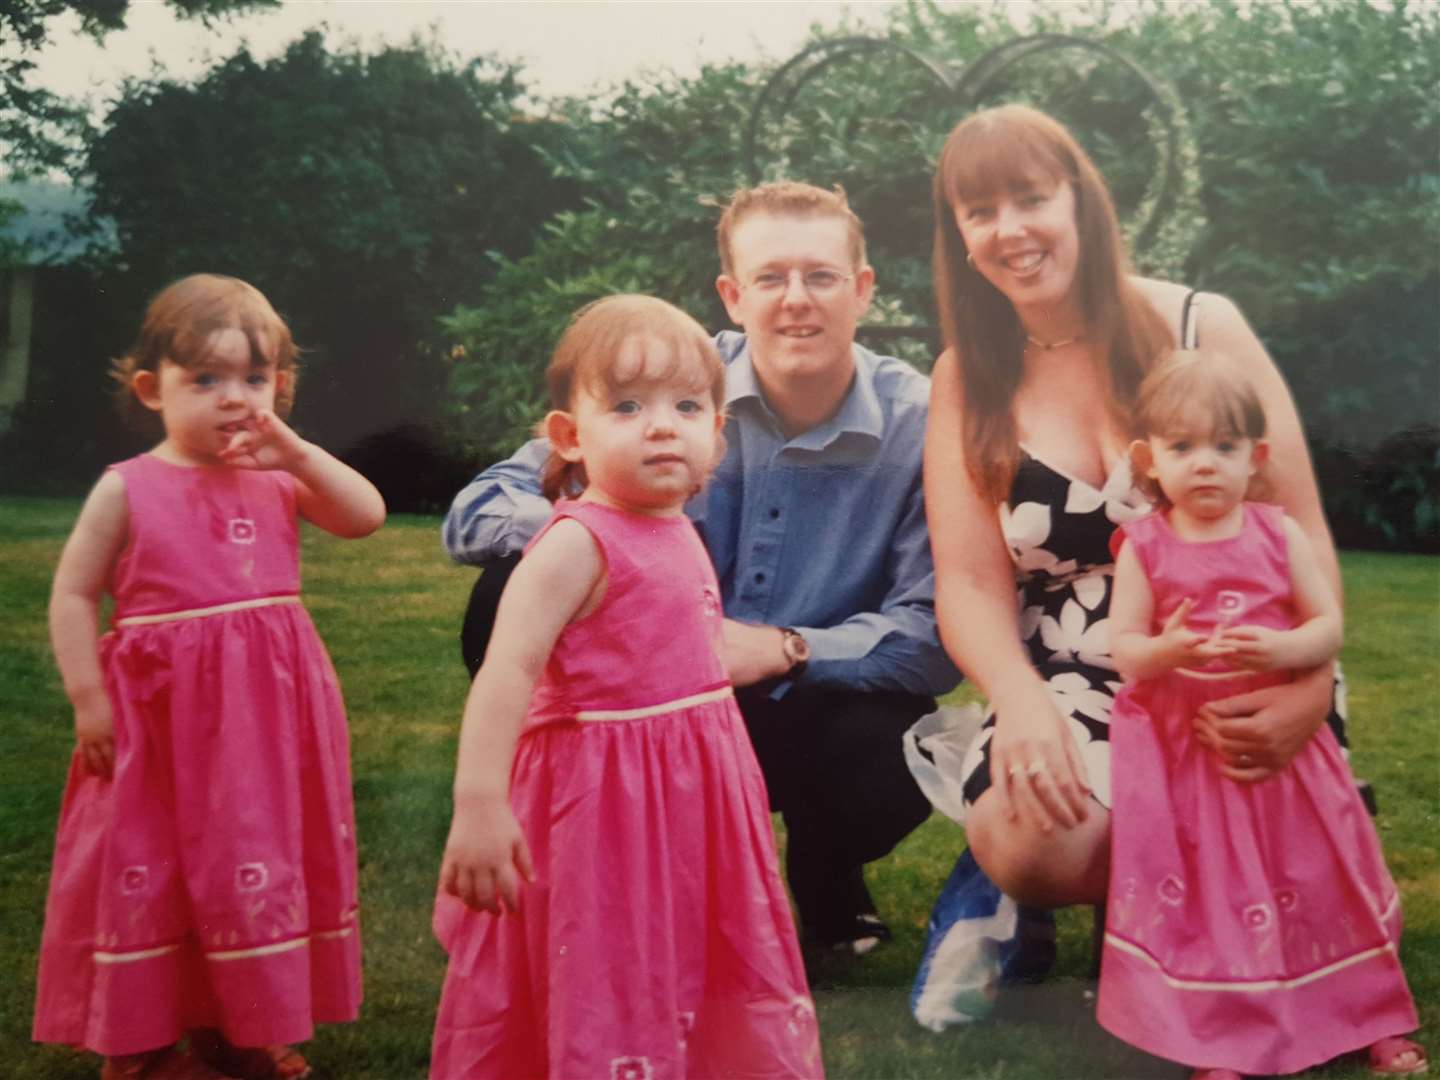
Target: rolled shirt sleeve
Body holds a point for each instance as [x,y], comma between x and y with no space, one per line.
[823,532]
[498,512]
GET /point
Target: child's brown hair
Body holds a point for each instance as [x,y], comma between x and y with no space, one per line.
[587,359]
[178,326]
[1187,383]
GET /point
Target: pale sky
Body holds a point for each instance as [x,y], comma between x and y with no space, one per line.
[563,45]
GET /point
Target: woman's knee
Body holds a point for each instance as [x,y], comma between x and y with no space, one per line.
[1054,869]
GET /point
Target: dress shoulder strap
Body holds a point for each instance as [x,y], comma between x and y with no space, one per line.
[1189,337]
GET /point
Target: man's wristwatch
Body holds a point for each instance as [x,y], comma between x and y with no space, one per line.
[796,650]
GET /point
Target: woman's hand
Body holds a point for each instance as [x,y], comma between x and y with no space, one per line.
[95,735]
[1257,734]
[1035,767]
[486,858]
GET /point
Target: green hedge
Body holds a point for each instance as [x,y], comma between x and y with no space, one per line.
[1307,192]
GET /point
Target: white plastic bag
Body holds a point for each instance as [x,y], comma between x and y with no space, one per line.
[935,747]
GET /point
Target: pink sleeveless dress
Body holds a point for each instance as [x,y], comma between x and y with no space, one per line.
[212,881]
[1249,926]
[657,941]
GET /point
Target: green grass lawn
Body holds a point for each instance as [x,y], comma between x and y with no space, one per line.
[389,608]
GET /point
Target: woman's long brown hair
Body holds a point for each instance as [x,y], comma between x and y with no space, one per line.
[994,151]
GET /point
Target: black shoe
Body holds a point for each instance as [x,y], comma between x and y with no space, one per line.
[864,934]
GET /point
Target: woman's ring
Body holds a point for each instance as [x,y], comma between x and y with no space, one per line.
[1246,760]
[1035,768]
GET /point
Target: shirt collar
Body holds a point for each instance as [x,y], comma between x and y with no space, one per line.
[859,413]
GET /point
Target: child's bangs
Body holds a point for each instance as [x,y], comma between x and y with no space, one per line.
[192,346]
[241,309]
[992,158]
[657,355]
[1204,401]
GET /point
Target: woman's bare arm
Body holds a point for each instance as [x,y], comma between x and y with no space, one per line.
[979,624]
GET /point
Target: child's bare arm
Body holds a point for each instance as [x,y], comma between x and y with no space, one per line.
[1318,637]
[1138,654]
[329,493]
[486,854]
[80,579]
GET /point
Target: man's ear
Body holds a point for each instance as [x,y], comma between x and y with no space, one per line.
[865,284]
[729,290]
[1142,461]
[145,385]
[560,429]
[1259,455]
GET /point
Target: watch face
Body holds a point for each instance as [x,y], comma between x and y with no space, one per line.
[797,649]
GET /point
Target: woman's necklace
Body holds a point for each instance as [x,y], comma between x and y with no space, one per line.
[1046,346]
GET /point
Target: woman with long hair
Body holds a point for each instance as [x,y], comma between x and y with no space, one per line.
[1047,336]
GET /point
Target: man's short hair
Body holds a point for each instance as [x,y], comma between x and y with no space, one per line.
[792,199]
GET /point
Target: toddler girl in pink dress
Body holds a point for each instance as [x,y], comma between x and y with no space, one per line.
[1252,926]
[609,896]
[204,876]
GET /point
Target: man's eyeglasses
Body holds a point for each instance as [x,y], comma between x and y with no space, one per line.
[818,283]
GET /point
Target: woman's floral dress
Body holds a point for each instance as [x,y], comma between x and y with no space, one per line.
[1058,530]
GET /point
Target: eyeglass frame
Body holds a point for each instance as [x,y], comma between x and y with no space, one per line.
[780,287]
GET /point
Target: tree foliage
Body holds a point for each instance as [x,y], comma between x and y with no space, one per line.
[1307,192]
[429,241]
[39,130]
[364,194]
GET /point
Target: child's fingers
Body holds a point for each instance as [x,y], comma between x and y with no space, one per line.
[473,888]
[523,860]
[449,873]
[1241,633]
[507,886]
[487,890]
[91,758]
[1178,616]
[105,751]
[98,755]
[1211,650]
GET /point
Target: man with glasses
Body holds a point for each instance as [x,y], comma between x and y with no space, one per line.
[816,525]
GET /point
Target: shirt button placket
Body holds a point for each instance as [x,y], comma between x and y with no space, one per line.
[768,537]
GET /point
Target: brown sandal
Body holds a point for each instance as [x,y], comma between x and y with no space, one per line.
[248,1062]
[167,1063]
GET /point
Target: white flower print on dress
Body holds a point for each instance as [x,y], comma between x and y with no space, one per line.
[1121,501]
[1090,590]
[1026,528]
[1030,621]
[1095,754]
[1073,693]
[1071,637]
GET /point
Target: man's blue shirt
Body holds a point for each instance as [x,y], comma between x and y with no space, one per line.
[824,532]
